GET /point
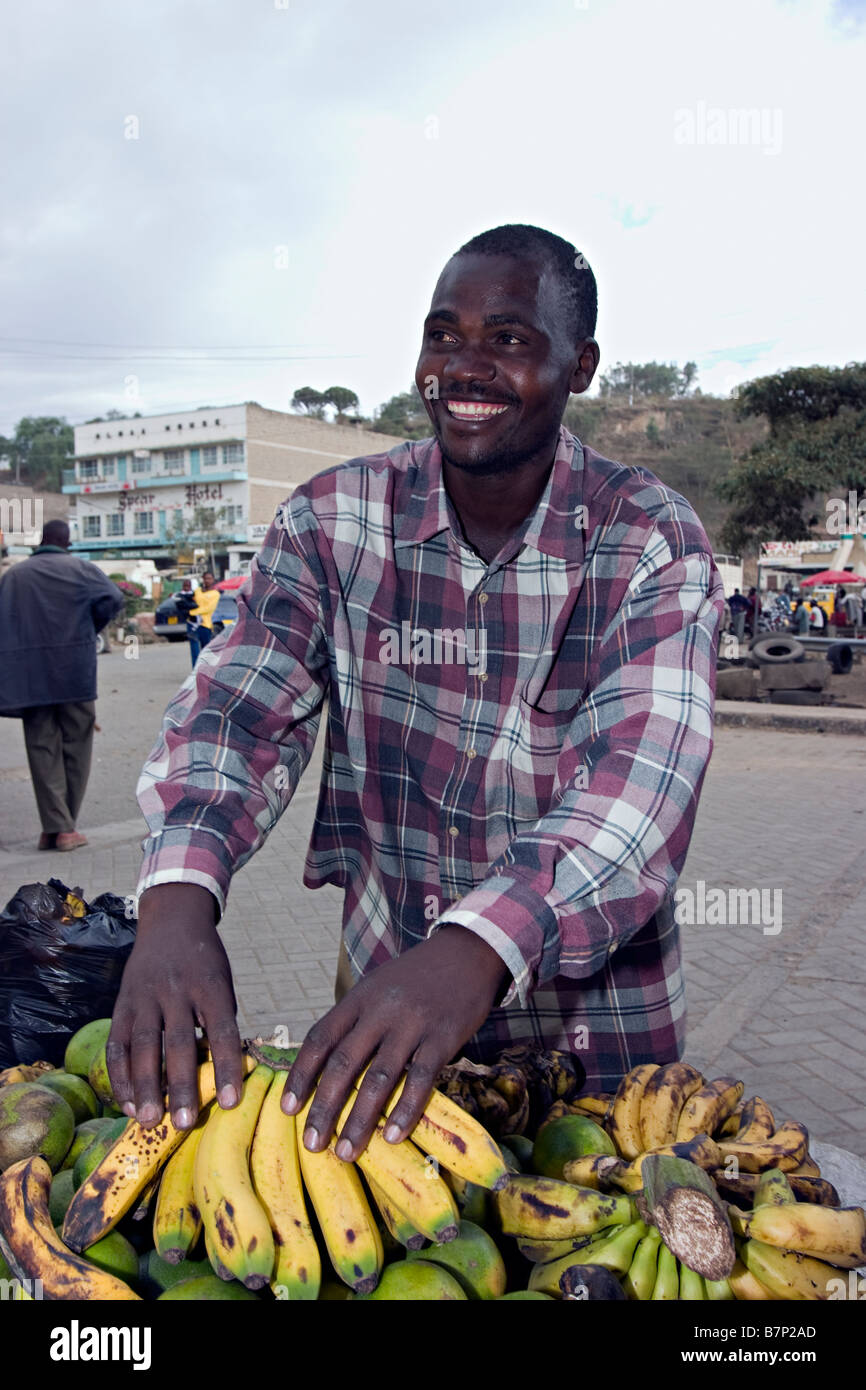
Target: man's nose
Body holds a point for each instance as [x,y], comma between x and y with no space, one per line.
[469,362]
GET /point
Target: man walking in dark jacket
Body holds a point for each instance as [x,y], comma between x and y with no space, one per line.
[51,607]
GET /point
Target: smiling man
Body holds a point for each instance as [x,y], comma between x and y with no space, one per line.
[508,831]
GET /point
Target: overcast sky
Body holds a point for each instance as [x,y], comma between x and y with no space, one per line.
[211,201]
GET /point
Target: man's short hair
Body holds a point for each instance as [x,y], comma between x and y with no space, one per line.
[579,290]
[55,533]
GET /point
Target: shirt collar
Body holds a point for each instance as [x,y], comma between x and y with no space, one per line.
[41,549]
[555,527]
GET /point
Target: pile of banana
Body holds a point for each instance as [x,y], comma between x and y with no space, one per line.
[673,1109]
[673,1188]
[242,1181]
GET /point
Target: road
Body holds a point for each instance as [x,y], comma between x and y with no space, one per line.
[776,1000]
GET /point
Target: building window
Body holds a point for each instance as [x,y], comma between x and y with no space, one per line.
[91,526]
[234,515]
[210,456]
[88,468]
[233,453]
[172,460]
[141,465]
[143,523]
[108,468]
[114,524]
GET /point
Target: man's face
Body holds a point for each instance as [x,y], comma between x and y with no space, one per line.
[207,580]
[496,364]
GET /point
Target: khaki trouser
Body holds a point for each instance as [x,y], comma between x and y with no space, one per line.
[345,978]
[59,743]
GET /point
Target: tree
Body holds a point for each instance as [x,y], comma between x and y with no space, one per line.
[816,445]
[403,415]
[342,399]
[202,528]
[41,446]
[310,401]
[633,379]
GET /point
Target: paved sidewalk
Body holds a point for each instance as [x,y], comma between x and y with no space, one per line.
[780,811]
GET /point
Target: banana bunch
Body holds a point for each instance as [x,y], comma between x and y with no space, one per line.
[514,1095]
[263,1205]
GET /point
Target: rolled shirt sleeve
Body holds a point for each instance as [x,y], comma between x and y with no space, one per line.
[589,874]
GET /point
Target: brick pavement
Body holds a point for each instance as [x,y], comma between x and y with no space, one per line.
[779,810]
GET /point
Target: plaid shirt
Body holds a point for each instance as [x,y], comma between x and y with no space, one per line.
[517,747]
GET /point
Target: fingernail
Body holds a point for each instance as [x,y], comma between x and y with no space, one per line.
[290,1104]
[344,1150]
[148,1114]
[184,1118]
[129,1109]
[311,1138]
[393,1134]
[228,1098]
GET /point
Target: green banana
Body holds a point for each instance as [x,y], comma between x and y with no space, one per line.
[640,1280]
[667,1285]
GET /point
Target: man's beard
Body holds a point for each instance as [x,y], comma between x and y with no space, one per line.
[504,461]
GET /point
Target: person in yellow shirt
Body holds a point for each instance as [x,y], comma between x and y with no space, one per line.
[200,622]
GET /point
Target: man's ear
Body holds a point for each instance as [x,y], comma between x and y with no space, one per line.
[585,368]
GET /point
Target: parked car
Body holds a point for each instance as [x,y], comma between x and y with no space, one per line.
[226,612]
[170,622]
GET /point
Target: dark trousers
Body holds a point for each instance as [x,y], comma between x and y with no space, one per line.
[59,743]
[198,637]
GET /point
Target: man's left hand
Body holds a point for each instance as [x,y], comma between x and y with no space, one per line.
[411,1014]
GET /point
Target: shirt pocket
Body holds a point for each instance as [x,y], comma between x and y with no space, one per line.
[540,734]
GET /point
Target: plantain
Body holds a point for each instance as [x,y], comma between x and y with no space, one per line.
[709,1107]
[666,1093]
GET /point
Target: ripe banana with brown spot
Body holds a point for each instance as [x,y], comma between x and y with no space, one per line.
[33,1249]
[237,1229]
[624,1123]
[348,1225]
[729,1127]
[410,1183]
[786,1149]
[275,1169]
[785,1274]
[628,1177]
[836,1235]
[456,1140]
[665,1095]
[709,1107]
[177,1219]
[757,1122]
[549,1209]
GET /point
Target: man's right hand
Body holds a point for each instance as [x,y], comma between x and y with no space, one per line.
[177,975]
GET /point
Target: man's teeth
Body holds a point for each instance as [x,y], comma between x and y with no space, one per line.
[473,410]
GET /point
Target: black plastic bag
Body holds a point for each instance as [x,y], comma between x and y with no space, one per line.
[58,971]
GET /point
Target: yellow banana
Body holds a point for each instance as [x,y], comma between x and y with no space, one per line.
[593,1170]
[807,1169]
[773,1188]
[786,1149]
[410,1183]
[397,1224]
[547,1209]
[177,1219]
[834,1234]
[236,1224]
[347,1223]
[709,1107]
[702,1151]
[624,1123]
[457,1141]
[594,1103]
[33,1248]
[275,1168]
[757,1122]
[115,1185]
[728,1128]
[785,1274]
[664,1097]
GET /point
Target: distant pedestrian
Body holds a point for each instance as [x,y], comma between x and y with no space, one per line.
[200,621]
[739,606]
[817,618]
[52,605]
[801,619]
[854,607]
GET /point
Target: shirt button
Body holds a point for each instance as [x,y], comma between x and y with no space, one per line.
[470,752]
[611,948]
[482,598]
[482,675]
[452,830]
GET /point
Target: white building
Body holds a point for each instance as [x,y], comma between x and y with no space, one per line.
[136,482]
